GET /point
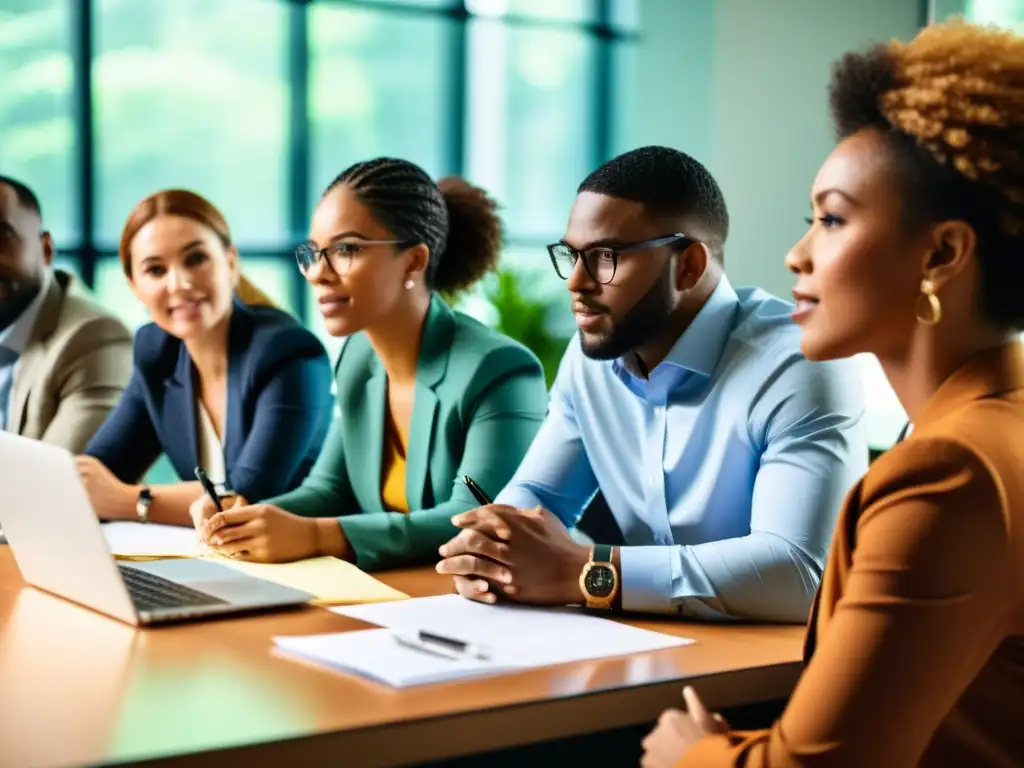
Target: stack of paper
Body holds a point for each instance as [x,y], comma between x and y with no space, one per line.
[149,541]
[517,637]
[375,654]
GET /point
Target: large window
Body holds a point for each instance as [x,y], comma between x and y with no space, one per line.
[191,93]
[1002,13]
[531,126]
[379,84]
[37,136]
[258,104]
[1005,13]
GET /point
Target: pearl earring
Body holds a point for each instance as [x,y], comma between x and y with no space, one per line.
[409,284]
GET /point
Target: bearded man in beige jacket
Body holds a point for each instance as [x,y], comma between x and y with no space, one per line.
[64,361]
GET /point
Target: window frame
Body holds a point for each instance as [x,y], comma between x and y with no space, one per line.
[87,253]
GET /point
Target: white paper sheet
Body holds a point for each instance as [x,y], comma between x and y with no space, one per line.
[145,541]
[375,654]
[518,637]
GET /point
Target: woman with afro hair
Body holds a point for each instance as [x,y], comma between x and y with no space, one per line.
[915,253]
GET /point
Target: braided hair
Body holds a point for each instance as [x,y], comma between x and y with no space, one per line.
[457,221]
[950,106]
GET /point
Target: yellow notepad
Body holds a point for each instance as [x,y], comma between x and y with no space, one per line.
[331,581]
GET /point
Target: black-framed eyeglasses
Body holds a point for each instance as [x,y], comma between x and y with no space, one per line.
[601,262]
[341,254]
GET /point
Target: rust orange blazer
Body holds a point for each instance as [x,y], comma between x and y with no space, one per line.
[915,649]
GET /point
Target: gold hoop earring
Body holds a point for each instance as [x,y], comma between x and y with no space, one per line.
[934,306]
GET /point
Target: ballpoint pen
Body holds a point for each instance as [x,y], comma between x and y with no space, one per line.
[417,645]
[477,491]
[442,645]
[204,480]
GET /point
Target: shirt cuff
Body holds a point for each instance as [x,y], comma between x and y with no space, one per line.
[520,498]
[647,578]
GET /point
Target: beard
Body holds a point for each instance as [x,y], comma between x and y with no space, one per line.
[648,317]
[16,293]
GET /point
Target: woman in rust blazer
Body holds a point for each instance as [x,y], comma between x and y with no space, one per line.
[915,652]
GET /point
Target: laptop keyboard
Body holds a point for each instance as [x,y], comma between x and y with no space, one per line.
[151,592]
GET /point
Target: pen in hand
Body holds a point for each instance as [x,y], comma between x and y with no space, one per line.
[477,491]
[204,480]
[484,500]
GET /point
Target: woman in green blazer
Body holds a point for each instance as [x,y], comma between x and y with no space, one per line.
[426,395]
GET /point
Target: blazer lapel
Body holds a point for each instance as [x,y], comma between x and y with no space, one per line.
[179,410]
[430,370]
[368,429]
[27,370]
[239,335]
[421,437]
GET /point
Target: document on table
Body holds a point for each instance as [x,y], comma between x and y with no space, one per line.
[150,541]
[331,581]
[517,637]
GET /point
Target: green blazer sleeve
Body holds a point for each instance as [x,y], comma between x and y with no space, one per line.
[480,399]
[503,405]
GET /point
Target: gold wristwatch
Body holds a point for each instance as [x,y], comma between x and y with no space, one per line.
[599,581]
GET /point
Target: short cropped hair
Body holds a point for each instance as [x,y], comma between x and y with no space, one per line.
[669,184]
[25,196]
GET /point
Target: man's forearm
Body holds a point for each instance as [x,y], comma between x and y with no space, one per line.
[760,576]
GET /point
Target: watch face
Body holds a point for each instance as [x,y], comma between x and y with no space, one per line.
[600,581]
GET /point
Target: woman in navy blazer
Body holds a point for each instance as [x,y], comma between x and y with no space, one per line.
[220,380]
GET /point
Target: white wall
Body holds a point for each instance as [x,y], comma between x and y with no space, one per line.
[742,86]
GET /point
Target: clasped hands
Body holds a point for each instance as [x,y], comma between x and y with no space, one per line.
[528,556]
[521,555]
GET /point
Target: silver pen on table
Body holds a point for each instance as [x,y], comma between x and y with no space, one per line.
[442,645]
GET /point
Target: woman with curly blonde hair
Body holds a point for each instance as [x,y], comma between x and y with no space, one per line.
[915,253]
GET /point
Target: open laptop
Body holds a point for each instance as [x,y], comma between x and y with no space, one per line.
[58,543]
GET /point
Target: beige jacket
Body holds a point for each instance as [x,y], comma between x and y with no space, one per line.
[74,367]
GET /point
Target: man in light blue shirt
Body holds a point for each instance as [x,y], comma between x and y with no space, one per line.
[722,453]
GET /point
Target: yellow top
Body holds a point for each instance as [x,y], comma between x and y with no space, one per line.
[392,491]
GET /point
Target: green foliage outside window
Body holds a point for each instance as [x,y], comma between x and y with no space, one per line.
[528,318]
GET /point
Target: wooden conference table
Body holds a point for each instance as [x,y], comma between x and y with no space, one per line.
[77,688]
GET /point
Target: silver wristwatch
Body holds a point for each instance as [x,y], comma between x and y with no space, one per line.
[142,504]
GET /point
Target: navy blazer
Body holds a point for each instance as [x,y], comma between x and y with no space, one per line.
[279,406]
